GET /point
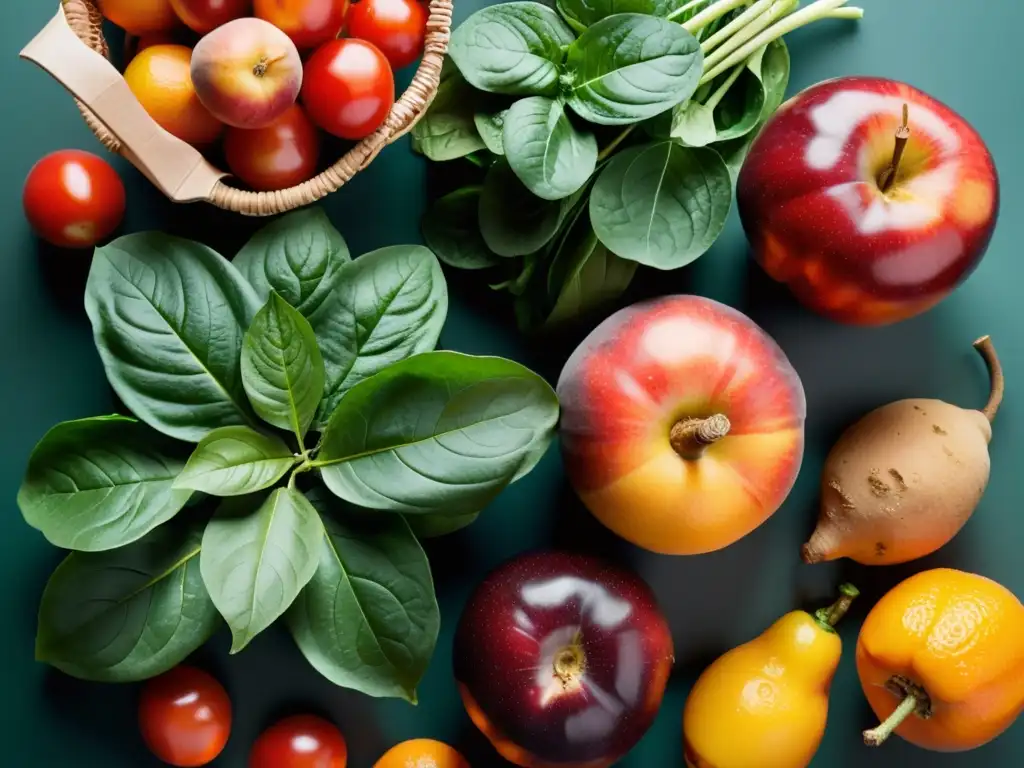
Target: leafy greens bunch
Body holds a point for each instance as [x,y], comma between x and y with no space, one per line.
[302,388]
[609,133]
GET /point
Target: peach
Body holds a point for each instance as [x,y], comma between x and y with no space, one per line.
[682,424]
[247,73]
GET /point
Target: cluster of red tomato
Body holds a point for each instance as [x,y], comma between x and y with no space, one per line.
[185,718]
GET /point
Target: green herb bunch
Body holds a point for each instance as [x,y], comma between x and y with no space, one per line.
[302,388]
[609,134]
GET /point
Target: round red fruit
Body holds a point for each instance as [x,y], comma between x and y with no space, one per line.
[397,27]
[283,154]
[206,15]
[73,199]
[307,22]
[562,659]
[303,741]
[185,717]
[348,88]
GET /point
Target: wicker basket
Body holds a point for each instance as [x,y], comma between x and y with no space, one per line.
[73,50]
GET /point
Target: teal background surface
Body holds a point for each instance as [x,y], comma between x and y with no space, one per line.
[51,372]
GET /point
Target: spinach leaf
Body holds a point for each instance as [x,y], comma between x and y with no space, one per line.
[282,368]
[232,461]
[580,14]
[438,524]
[258,554]
[96,484]
[168,316]
[128,614]
[447,131]
[490,126]
[544,149]
[451,229]
[661,204]
[439,431]
[629,67]
[390,304]
[734,152]
[298,255]
[513,48]
[369,619]
[771,66]
[693,124]
[513,221]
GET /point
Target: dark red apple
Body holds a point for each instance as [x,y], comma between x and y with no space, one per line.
[562,660]
[858,237]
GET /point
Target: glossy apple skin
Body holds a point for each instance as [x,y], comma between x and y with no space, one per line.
[517,621]
[637,374]
[817,220]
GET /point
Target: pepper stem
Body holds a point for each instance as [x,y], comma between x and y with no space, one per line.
[902,137]
[838,609]
[689,437]
[995,372]
[875,736]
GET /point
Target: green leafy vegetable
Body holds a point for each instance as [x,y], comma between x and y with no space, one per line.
[491,127]
[257,556]
[439,431]
[128,614]
[585,276]
[233,461]
[515,48]
[514,222]
[451,230]
[544,149]
[447,131]
[100,483]
[661,204]
[439,524]
[580,14]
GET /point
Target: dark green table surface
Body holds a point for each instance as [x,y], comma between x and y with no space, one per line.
[49,372]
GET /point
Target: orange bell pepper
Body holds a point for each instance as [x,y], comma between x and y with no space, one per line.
[941,661]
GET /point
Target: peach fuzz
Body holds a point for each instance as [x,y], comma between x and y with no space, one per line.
[682,424]
[247,73]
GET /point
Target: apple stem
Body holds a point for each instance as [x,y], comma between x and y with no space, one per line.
[690,437]
[261,66]
[995,371]
[875,736]
[902,136]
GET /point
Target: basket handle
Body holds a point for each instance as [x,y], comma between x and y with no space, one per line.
[175,167]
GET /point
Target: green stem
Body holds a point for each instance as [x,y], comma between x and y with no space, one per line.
[475,160]
[712,12]
[778,9]
[907,707]
[685,9]
[733,26]
[718,95]
[613,145]
[845,13]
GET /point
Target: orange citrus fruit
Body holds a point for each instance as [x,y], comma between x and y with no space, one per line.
[422,753]
[161,80]
[140,16]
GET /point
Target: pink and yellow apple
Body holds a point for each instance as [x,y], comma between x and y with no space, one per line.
[682,424]
[247,73]
[852,240]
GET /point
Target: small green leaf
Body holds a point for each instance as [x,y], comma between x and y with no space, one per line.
[694,124]
[369,619]
[128,614]
[547,153]
[451,229]
[580,14]
[299,255]
[513,48]
[441,431]
[629,67]
[771,65]
[100,483]
[513,221]
[447,131]
[257,557]
[282,368]
[661,204]
[232,461]
[490,126]
[439,524]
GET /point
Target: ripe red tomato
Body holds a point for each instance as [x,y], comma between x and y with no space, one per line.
[348,88]
[307,22]
[204,16]
[283,154]
[303,741]
[397,27]
[73,199]
[185,717]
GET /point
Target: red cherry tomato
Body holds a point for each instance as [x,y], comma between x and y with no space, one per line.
[283,154]
[397,27]
[348,88]
[73,199]
[303,741]
[185,717]
[307,22]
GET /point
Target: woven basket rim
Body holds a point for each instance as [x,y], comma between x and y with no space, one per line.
[86,20]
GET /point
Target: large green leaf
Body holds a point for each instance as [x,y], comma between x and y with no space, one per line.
[232,461]
[549,155]
[438,524]
[258,554]
[451,229]
[441,431]
[661,204]
[580,14]
[513,48]
[369,618]
[282,368]
[447,131]
[390,304]
[629,67]
[96,484]
[513,221]
[168,316]
[128,614]
[298,255]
